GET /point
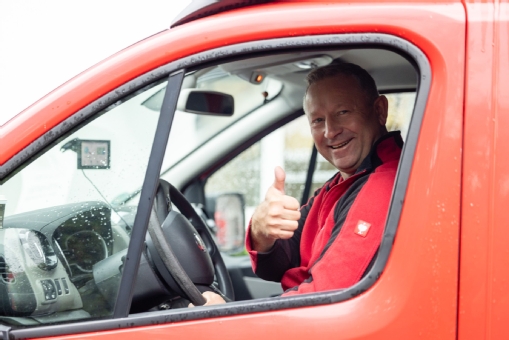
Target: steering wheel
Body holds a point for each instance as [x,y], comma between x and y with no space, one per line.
[181,245]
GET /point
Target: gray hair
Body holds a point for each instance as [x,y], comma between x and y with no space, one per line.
[366,82]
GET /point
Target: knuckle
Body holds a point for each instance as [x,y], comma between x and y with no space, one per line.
[274,209]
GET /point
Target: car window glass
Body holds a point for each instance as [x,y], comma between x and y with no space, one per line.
[60,230]
[65,216]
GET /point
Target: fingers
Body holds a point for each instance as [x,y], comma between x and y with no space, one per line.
[275,195]
[277,210]
[290,203]
[283,230]
[211,299]
[290,216]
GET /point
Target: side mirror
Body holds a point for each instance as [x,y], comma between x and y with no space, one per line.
[205,102]
[229,219]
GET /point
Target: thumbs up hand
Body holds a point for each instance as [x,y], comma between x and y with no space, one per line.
[276,217]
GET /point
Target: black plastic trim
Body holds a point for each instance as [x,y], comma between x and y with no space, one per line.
[309,176]
[419,60]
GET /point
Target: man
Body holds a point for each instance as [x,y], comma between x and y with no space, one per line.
[330,242]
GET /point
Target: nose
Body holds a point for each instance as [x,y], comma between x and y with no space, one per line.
[332,129]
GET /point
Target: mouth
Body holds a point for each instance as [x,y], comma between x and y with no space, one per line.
[341,145]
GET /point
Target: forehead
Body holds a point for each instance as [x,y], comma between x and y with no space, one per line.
[334,91]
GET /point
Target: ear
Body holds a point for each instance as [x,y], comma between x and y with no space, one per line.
[381,106]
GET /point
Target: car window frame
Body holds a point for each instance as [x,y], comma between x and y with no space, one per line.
[352,40]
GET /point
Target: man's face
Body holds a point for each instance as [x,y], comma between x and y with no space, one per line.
[344,122]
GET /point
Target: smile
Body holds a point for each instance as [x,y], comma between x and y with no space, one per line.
[340,145]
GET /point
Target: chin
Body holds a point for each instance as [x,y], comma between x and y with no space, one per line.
[346,168]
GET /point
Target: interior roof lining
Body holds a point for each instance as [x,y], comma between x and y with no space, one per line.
[379,62]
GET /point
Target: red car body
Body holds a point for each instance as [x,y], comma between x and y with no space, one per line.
[447,274]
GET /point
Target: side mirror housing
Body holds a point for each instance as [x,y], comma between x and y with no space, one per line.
[229,218]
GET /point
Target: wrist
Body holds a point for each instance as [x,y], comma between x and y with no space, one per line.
[261,243]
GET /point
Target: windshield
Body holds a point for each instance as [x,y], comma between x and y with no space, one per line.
[100,161]
[62,224]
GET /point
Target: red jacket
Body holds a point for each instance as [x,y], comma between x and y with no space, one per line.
[340,228]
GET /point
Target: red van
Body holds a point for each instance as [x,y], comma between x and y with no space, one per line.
[127,190]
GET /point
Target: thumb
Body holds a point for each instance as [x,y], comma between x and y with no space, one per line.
[279,179]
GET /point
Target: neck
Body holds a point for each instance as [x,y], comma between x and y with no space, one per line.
[346,175]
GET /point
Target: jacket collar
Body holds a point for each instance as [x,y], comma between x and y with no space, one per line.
[386,148]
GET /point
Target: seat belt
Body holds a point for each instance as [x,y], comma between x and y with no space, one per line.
[309,177]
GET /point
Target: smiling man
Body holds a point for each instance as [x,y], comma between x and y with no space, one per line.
[330,242]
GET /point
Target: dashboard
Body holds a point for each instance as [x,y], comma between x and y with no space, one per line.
[84,240]
[47,260]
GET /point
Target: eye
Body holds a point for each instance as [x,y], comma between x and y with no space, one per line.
[342,112]
[317,120]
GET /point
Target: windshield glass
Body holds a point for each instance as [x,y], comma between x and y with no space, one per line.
[100,161]
[63,223]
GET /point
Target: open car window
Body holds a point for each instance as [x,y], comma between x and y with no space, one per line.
[239,162]
[290,146]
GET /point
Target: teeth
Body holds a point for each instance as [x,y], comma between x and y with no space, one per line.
[340,145]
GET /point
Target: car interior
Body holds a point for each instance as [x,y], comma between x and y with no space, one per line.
[65,238]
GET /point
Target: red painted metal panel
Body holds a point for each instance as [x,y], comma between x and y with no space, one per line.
[484,294]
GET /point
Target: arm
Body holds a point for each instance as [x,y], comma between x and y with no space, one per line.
[283,254]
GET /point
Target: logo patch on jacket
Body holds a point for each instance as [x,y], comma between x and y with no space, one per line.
[362,228]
